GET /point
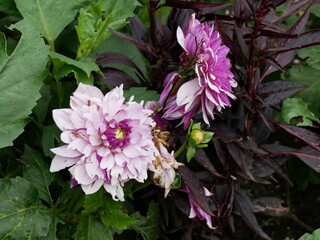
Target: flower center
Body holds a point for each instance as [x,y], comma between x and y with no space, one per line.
[120,134]
[116,134]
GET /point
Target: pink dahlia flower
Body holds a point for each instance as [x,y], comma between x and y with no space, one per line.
[107,141]
[211,87]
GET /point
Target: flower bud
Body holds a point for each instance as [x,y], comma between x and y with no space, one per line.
[197,135]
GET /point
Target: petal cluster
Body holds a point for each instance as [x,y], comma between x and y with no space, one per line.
[210,86]
[107,141]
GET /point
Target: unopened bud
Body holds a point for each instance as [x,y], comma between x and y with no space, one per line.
[197,135]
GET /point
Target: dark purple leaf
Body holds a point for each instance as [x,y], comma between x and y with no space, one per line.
[292,10]
[242,159]
[276,34]
[138,43]
[117,58]
[270,206]
[279,86]
[276,98]
[286,57]
[227,41]
[227,133]
[277,2]
[309,156]
[249,144]
[114,58]
[242,43]
[138,30]
[242,9]
[196,188]
[194,5]
[245,207]
[309,137]
[306,39]
[114,77]
[204,161]
[220,154]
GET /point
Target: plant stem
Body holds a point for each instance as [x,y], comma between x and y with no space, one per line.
[180,150]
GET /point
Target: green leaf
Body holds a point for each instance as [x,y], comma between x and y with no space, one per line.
[292,108]
[207,137]
[316,10]
[50,17]
[148,227]
[36,171]
[81,69]
[93,202]
[91,229]
[191,151]
[117,219]
[311,78]
[9,7]
[312,54]
[95,22]
[196,126]
[21,76]
[141,94]
[21,215]
[41,109]
[50,134]
[114,215]
[314,236]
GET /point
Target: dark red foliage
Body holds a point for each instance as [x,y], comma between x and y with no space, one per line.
[244,148]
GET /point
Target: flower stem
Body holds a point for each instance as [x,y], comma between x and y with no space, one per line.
[180,150]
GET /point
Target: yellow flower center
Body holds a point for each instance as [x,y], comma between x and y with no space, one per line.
[119,134]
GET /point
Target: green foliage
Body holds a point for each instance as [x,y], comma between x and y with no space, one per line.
[80,68]
[50,17]
[21,214]
[141,94]
[20,80]
[314,236]
[91,229]
[295,108]
[36,171]
[113,215]
[148,226]
[94,23]
[311,78]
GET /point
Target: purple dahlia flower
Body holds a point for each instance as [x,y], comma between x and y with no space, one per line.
[211,86]
[107,141]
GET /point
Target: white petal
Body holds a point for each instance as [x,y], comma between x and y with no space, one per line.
[62,118]
[63,151]
[116,191]
[181,38]
[107,162]
[93,187]
[80,174]
[187,92]
[132,151]
[59,163]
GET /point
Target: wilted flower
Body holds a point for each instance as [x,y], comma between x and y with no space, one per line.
[211,86]
[164,162]
[107,141]
[196,211]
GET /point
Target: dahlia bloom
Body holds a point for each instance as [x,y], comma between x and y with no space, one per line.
[107,141]
[211,86]
[196,211]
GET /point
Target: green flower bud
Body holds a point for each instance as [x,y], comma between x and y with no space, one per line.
[197,135]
